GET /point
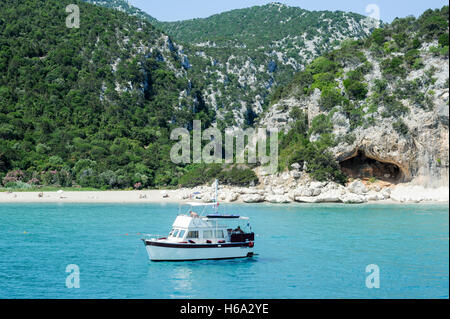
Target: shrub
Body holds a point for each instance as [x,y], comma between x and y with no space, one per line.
[88,178]
[108,179]
[379,36]
[330,98]
[199,174]
[320,164]
[18,185]
[411,56]
[435,50]
[33,181]
[392,68]
[347,138]
[322,81]
[418,64]
[354,113]
[401,128]
[380,85]
[42,149]
[321,124]
[393,107]
[443,40]
[13,177]
[238,176]
[356,90]
[323,65]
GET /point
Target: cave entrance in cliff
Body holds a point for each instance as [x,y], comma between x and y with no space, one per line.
[363,167]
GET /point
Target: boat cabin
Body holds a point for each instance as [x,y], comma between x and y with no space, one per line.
[194,228]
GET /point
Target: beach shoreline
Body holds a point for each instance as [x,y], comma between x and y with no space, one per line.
[144,196]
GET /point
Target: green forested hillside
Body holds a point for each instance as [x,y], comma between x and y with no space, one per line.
[124,6]
[92,106]
[240,56]
[244,54]
[260,26]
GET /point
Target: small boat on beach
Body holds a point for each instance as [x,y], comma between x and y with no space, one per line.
[197,235]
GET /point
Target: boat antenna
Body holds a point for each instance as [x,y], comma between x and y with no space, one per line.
[215,195]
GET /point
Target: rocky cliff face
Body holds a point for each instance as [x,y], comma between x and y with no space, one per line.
[401,137]
[240,56]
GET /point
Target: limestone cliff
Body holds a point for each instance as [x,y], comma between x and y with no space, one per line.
[385,99]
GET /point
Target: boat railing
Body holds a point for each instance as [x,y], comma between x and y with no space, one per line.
[157,236]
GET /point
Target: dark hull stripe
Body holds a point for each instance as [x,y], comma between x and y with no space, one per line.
[223,216]
[175,245]
[249,255]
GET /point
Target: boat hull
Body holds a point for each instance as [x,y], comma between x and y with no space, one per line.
[187,252]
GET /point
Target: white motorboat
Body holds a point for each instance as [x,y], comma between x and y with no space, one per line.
[195,236]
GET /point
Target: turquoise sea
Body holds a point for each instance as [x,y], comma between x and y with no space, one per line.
[305,251]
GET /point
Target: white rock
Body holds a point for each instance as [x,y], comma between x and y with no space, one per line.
[317,184]
[296,166]
[279,191]
[252,198]
[263,172]
[357,187]
[305,199]
[249,191]
[374,196]
[185,196]
[386,192]
[296,174]
[277,199]
[292,194]
[353,199]
[331,196]
[232,197]
[208,198]
[307,192]
[415,193]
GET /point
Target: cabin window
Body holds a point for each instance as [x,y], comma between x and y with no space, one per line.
[192,234]
[219,233]
[207,234]
[181,233]
[171,232]
[175,233]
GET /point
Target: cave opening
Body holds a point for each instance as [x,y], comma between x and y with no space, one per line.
[363,167]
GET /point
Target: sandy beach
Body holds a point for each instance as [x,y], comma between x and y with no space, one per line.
[182,196]
[147,196]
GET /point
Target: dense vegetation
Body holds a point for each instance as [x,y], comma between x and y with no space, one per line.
[200,174]
[124,6]
[92,106]
[240,56]
[313,156]
[244,54]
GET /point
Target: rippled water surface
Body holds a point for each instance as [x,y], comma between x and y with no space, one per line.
[305,251]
